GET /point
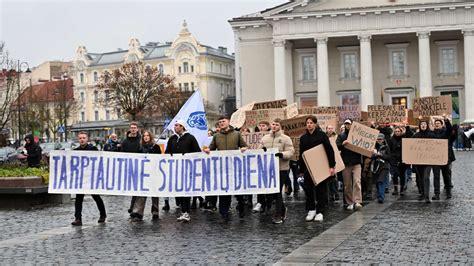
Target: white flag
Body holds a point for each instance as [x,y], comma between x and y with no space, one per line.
[194,115]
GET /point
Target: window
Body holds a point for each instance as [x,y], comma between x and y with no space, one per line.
[185,67]
[448,60]
[400,100]
[307,99]
[83,116]
[222,89]
[119,113]
[192,68]
[96,115]
[161,68]
[397,55]
[349,65]
[192,86]
[180,88]
[212,66]
[228,89]
[107,115]
[179,69]
[83,96]
[226,69]
[350,99]
[308,67]
[186,86]
[96,77]
[81,78]
[96,96]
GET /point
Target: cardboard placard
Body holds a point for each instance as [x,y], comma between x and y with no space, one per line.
[432,106]
[237,119]
[326,119]
[253,117]
[317,162]
[291,111]
[253,139]
[387,113]
[319,110]
[362,139]
[410,118]
[270,104]
[296,146]
[294,127]
[348,111]
[425,151]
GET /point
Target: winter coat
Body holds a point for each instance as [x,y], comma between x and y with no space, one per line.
[150,148]
[395,146]
[88,147]
[186,143]
[387,131]
[131,144]
[227,140]
[349,157]
[447,133]
[311,140]
[380,162]
[111,145]
[34,152]
[284,145]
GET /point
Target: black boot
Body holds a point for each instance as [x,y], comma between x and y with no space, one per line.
[167,206]
[395,190]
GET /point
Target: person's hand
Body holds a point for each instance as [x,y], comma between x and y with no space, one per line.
[279,155]
[243,149]
[206,150]
[345,142]
[264,149]
[332,171]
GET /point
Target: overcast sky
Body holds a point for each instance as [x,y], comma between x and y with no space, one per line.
[38,31]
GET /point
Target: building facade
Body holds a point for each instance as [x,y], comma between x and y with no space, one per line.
[193,65]
[336,52]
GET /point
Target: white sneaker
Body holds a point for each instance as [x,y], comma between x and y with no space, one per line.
[184,217]
[257,208]
[319,217]
[358,206]
[350,207]
[310,216]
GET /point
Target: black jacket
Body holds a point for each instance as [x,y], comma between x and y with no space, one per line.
[349,157]
[395,145]
[131,144]
[187,143]
[34,152]
[88,147]
[447,133]
[151,148]
[387,131]
[380,161]
[308,141]
[111,145]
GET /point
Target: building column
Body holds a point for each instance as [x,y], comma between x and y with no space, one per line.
[366,74]
[280,75]
[469,75]
[426,87]
[324,94]
[290,94]
[238,79]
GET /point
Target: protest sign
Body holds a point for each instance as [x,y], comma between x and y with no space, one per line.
[431,106]
[270,105]
[237,119]
[253,117]
[296,146]
[253,139]
[163,175]
[348,111]
[362,139]
[425,151]
[386,114]
[319,110]
[294,127]
[291,111]
[317,162]
[326,119]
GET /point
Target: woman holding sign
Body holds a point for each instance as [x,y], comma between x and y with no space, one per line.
[423,171]
[313,137]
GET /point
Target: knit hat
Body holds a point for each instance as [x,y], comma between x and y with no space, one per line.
[381,136]
[181,122]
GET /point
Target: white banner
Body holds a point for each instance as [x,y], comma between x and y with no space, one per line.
[163,175]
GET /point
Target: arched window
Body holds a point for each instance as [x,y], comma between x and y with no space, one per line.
[96,76]
[81,77]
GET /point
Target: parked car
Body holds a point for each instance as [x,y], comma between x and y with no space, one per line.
[68,145]
[8,154]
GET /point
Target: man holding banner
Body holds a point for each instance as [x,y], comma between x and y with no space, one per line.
[226,139]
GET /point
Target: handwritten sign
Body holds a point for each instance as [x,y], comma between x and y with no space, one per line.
[425,151]
[386,113]
[315,110]
[237,119]
[253,117]
[325,120]
[432,106]
[348,111]
[253,139]
[163,175]
[270,105]
[291,111]
[317,162]
[362,139]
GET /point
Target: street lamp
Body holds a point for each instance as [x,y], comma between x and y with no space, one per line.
[18,73]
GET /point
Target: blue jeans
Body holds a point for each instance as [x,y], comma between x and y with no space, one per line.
[381,191]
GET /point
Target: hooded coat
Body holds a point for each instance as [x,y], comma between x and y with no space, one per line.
[34,152]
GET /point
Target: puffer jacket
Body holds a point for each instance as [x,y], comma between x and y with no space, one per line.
[284,145]
[227,140]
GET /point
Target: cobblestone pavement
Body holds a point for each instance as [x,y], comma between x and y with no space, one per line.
[407,232]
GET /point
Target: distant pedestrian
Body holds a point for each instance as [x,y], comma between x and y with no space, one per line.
[33,151]
[112,144]
[85,146]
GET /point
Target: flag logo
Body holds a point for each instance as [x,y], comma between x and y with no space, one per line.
[197,120]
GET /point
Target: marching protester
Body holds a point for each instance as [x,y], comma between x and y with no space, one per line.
[33,151]
[226,139]
[397,167]
[148,145]
[423,171]
[112,143]
[313,137]
[131,144]
[264,201]
[444,130]
[380,165]
[84,145]
[332,183]
[277,139]
[182,142]
[352,171]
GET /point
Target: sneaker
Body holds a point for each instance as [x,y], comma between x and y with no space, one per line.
[285,214]
[448,194]
[167,206]
[277,220]
[318,217]
[101,219]
[77,222]
[435,197]
[257,208]
[137,219]
[380,200]
[427,200]
[184,217]
[350,207]
[357,206]
[310,216]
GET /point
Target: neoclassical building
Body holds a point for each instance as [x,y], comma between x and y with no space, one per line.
[337,52]
[192,64]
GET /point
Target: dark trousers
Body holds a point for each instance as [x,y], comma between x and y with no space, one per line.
[78,205]
[320,192]
[445,170]
[332,184]
[185,203]
[280,206]
[212,200]
[294,167]
[266,200]
[398,174]
[225,202]
[423,173]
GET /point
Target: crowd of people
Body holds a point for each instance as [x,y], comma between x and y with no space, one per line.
[363,179]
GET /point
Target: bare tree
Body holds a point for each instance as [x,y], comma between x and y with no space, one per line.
[133,87]
[8,87]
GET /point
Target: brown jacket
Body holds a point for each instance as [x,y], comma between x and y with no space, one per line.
[284,145]
[227,140]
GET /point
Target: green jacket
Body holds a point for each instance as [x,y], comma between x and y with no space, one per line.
[228,140]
